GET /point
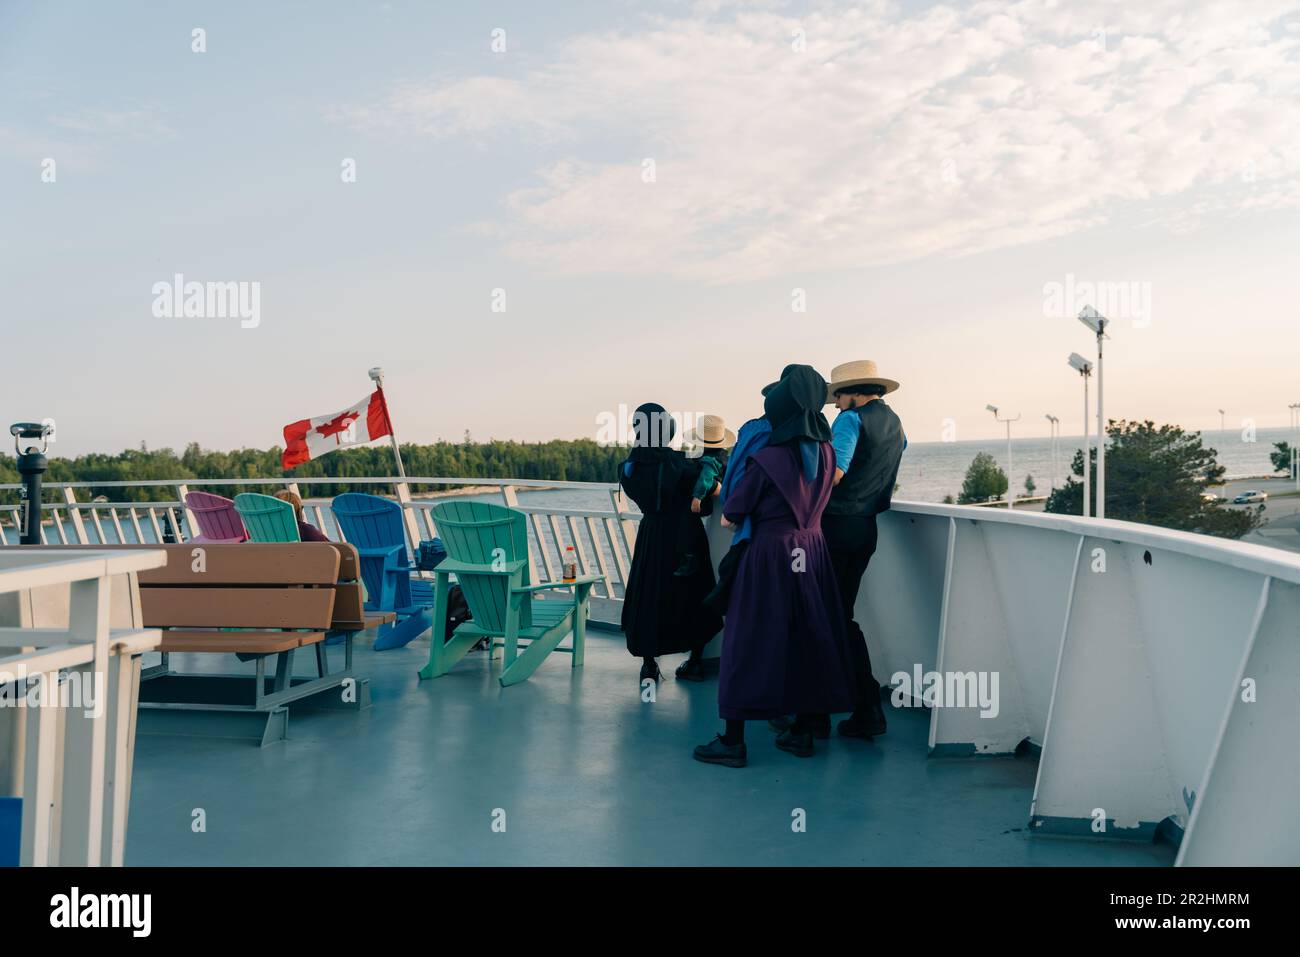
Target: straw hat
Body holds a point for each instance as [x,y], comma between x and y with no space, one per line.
[711,434]
[861,372]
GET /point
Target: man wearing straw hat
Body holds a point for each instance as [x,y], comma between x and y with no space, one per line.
[868,440]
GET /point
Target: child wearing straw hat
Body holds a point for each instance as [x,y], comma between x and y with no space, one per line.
[713,439]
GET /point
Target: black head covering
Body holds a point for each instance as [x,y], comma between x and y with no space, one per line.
[794,406]
[784,372]
[652,429]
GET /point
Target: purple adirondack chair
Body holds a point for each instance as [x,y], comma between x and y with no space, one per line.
[217,518]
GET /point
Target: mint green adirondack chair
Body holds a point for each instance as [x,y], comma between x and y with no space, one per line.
[487,551]
[267,519]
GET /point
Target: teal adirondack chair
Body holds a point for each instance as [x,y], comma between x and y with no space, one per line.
[487,551]
[267,519]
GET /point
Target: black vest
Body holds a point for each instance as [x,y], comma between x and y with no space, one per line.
[868,486]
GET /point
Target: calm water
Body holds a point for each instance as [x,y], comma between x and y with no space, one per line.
[931,470]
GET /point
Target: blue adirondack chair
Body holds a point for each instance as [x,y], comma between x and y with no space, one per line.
[487,549]
[267,519]
[374,525]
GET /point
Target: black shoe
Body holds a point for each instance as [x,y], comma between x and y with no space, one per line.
[821,730]
[798,743]
[652,672]
[718,751]
[870,725]
[692,669]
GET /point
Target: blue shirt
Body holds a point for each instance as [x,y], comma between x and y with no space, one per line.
[751,438]
[844,438]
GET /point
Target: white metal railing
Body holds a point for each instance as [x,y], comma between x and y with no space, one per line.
[603,538]
[1157,670]
[67,726]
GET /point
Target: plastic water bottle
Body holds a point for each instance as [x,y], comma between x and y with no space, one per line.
[570,564]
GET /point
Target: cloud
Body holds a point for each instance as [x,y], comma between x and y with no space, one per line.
[859,136]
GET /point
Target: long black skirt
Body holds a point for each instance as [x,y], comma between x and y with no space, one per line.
[663,613]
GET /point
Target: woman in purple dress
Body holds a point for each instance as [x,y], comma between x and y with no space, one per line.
[785,649]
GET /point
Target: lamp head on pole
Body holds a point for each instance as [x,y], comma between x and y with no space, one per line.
[992,408]
[1079,364]
[1094,320]
[377,376]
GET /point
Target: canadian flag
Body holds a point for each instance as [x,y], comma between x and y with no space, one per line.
[308,439]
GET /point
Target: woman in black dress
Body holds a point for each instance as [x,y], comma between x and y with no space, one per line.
[663,612]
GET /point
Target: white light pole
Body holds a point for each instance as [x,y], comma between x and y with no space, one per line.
[1011,494]
[1295,446]
[1055,425]
[1082,366]
[1222,426]
[1095,321]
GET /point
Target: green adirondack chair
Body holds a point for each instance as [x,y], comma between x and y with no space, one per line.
[267,519]
[487,551]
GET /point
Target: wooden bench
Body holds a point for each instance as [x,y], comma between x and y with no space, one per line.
[257,601]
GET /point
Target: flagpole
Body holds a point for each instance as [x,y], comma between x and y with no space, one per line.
[377,374]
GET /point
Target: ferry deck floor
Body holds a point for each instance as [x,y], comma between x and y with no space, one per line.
[580,772]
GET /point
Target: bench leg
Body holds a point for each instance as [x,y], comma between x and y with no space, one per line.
[262,727]
[283,669]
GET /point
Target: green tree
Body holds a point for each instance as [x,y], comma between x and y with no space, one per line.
[1156,475]
[1281,458]
[1030,486]
[984,480]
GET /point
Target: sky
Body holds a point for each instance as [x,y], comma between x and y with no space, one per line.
[532,214]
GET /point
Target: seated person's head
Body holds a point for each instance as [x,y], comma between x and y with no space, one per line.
[285,495]
[850,397]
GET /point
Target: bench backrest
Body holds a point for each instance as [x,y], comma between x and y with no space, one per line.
[242,586]
[271,581]
[480,533]
[267,519]
[216,516]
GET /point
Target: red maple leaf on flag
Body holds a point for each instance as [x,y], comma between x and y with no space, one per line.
[340,423]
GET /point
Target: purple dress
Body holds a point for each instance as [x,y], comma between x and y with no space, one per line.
[785,649]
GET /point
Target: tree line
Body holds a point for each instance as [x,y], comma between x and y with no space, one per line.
[559,460]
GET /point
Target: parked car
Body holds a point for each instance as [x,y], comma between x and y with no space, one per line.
[1249,496]
[1209,497]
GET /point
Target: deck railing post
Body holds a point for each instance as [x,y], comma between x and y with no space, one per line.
[510,495]
[403,490]
[78,526]
[626,529]
[191,523]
